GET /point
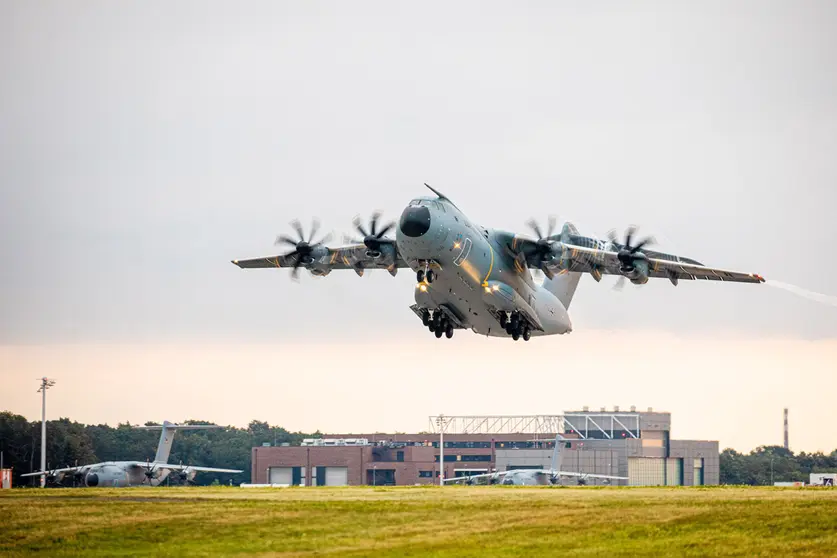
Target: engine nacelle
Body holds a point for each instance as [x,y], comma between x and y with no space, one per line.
[638,274]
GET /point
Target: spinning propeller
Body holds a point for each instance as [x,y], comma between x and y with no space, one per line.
[629,255]
[373,239]
[149,471]
[303,249]
[543,246]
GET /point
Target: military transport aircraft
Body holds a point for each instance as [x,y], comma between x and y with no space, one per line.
[470,277]
[529,477]
[136,473]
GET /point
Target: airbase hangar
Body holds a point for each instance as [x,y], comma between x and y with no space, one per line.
[633,444]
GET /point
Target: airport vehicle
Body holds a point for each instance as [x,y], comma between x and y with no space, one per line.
[529,477]
[471,277]
[136,473]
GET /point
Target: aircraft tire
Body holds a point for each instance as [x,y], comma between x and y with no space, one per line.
[420,275]
[430,275]
[449,331]
[438,333]
[516,335]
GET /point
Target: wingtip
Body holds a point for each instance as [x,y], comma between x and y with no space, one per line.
[235,263]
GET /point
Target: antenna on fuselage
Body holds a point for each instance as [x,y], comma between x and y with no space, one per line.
[440,194]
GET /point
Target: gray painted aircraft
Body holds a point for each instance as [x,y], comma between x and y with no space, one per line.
[532,477]
[470,277]
[136,473]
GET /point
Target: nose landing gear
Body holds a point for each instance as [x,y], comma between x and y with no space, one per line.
[425,274]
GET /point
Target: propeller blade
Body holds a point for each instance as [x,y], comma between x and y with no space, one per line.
[645,241]
[629,234]
[534,226]
[295,270]
[291,254]
[315,226]
[374,223]
[297,226]
[326,239]
[620,283]
[359,227]
[286,239]
[385,230]
[552,223]
[611,236]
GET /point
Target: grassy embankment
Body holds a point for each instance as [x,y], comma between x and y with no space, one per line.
[454,521]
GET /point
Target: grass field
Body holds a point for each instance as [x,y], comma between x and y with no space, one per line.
[419,521]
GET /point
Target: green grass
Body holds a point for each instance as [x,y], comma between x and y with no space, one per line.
[419,521]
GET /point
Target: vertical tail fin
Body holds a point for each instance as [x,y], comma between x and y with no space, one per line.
[563,286]
[557,454]
[167,437]
[164,445]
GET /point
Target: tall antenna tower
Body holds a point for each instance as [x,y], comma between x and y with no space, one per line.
[46,383]
[787,446]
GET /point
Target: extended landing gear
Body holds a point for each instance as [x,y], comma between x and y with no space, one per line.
[514,326]
[425,274]
[438,324]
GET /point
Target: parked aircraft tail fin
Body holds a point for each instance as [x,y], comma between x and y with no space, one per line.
[557,453]
[167,436]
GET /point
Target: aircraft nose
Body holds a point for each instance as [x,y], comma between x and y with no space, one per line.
[415,221]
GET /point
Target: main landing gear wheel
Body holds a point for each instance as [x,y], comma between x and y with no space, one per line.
[420,275]
[526,334]
[438,332]
[515,335]
[449,331]
[425,318]
[430,275]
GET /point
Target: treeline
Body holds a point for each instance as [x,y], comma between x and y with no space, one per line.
[71,443]
[767,464]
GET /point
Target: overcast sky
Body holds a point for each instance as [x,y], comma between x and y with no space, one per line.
[143,145]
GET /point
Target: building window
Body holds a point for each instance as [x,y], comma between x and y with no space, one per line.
[399,456]
[426,474]
[448,457]
[476,457]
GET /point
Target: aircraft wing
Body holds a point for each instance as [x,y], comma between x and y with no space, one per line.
[55,471]
[585,259]
[355,257]
[586,475]
[173,467]
[465,479]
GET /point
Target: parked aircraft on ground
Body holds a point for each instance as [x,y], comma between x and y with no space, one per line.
[530,477]
[470,277]
[136,473]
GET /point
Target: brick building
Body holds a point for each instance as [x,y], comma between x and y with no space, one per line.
[635,444]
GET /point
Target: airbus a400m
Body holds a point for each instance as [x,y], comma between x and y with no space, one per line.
[471,277]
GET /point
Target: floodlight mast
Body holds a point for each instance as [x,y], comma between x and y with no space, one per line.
[441,423]
[46,383]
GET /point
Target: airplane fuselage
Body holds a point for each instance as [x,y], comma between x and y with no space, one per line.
[474,278]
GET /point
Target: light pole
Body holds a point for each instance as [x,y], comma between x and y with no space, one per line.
[441,422]
[771,470]
[46,383]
